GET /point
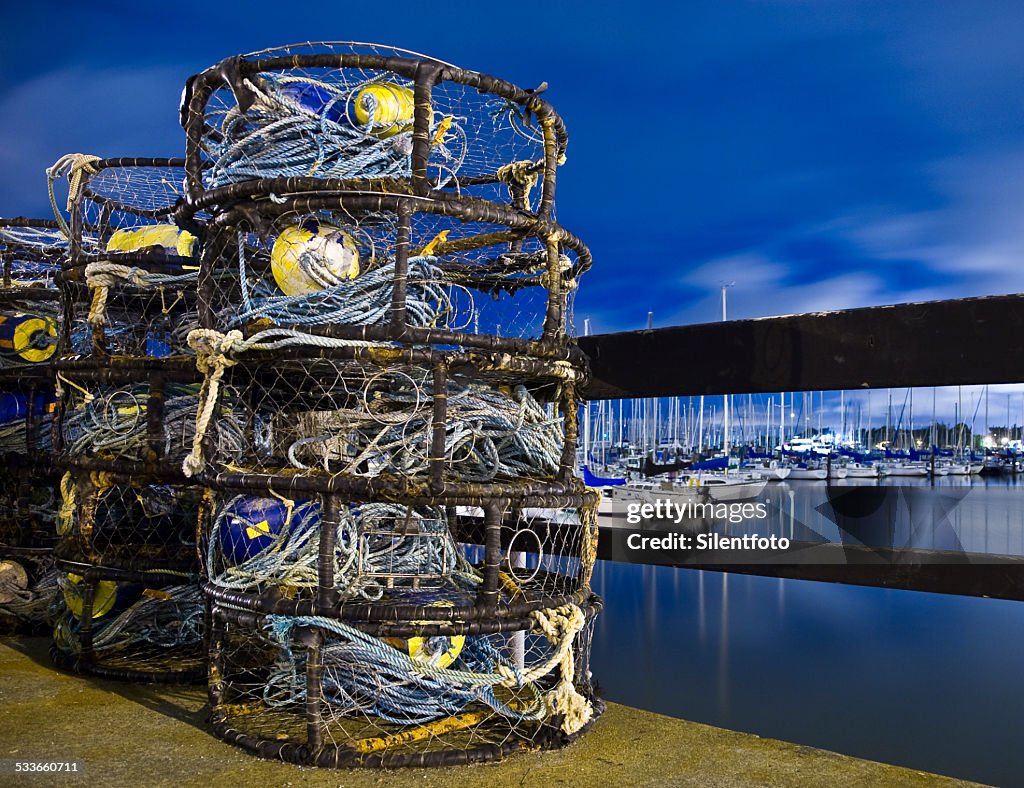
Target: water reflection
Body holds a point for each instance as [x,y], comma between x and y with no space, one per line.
[916,679]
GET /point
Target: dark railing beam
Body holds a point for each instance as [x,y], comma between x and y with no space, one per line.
[935,343]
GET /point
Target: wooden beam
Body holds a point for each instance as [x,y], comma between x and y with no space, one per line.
[935,343]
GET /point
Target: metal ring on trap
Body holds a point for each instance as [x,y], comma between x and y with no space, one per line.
[348,116]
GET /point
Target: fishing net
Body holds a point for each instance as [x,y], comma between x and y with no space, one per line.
[130,283]
[318,690]
[128,625]
[31,252]
[342,114]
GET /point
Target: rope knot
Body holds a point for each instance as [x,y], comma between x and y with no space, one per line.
[77,166]
[523,174]
[212,349]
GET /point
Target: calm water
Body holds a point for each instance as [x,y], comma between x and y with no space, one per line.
[928,681]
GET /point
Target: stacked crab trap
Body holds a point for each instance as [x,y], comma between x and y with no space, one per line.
[128,393]
[397,554]
[30,253]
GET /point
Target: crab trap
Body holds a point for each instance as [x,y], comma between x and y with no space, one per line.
[31,252]
[391,268]
[417,633]
[318,690]
[129,282]
[386,418]
[140,625]
[345,116]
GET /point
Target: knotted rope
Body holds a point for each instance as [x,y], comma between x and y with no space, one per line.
[522,174]
[76,166]
[211,348]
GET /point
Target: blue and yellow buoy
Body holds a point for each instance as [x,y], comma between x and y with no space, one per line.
[30,337]
[14,406]
[249,526]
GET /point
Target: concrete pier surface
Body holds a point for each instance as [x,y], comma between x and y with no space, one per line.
[151,735]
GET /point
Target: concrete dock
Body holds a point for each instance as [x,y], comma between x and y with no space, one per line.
[151,735]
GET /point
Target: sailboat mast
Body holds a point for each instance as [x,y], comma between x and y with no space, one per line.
[725,401]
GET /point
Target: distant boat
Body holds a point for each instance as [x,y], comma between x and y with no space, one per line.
[862,470]
[767,470]
[903,469]
[806,473]
[591,480]
[735,487]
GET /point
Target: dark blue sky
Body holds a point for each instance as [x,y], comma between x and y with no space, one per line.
[820,154]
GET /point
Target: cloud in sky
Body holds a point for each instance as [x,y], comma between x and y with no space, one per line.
[820,155]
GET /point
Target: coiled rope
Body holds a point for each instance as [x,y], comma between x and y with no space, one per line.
[102,276]
[278,136]
[31,604]
[488,435]
[365,674]
[362,549]
[162,618]
[365,300]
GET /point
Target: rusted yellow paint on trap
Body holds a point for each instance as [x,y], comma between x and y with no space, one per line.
[150,735]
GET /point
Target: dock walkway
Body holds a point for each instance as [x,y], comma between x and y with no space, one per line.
[150,735]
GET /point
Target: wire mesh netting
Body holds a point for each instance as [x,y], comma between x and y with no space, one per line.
[105,522]
[362,112]
[130,283]
[129,625]
[31,252]
[315,689]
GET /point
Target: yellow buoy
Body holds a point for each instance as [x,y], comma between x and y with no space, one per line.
[440,651]
[182,242]
[13,581]
[389,105]
[311,256]
[31,337]
[103,599]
